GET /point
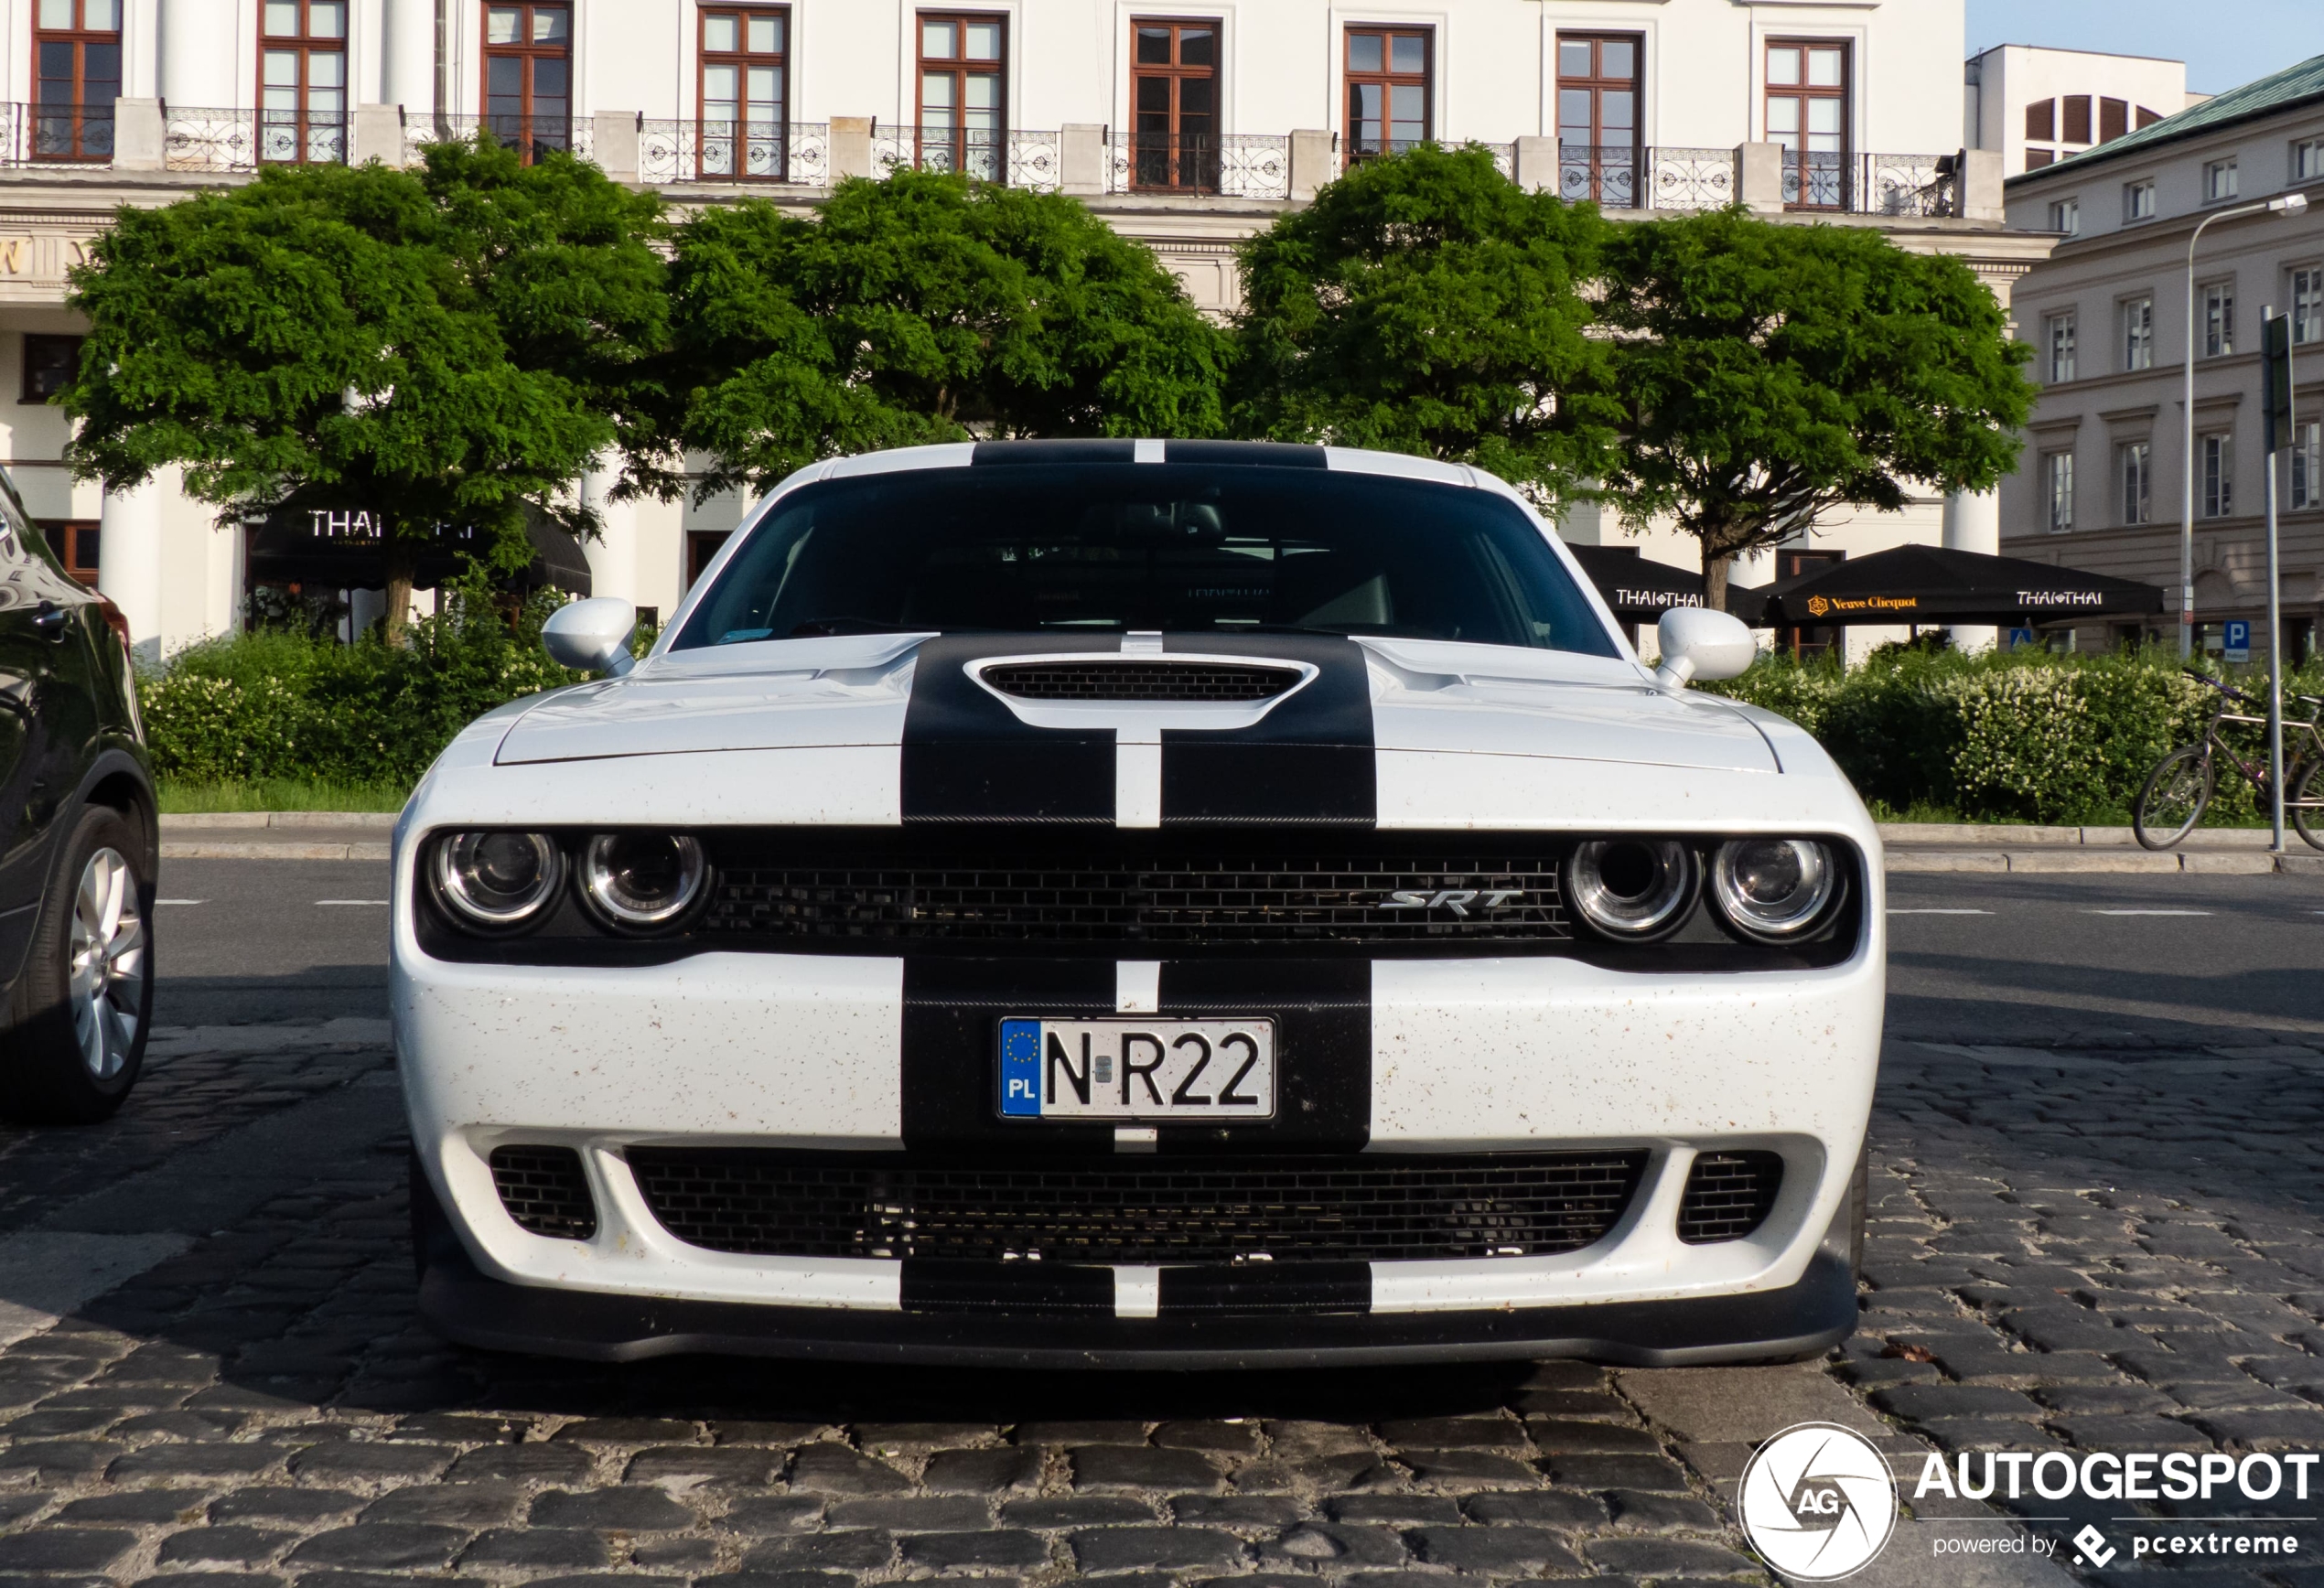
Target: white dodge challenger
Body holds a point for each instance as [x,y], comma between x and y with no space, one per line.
[1139,904]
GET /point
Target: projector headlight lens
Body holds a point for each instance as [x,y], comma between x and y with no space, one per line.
[498,880]
[1773,889]
[642,880]
[1633,888]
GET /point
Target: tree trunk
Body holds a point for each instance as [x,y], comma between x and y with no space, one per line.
[403,563]
[1715,573]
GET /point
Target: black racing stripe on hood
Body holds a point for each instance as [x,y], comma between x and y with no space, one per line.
[952,1035]
[1322,1010]
[1310,760]
[967,757]
[1087,451]
[1245,454]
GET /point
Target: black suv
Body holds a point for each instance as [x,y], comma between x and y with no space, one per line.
[79,838]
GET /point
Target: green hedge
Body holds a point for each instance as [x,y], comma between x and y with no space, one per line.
[273,703]
[2021,736]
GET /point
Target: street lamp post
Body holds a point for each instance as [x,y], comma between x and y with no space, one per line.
[2286,204]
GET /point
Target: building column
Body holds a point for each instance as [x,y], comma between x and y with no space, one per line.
[129,564]
[613,555]
[407,60]
[1972,523]
[198,54]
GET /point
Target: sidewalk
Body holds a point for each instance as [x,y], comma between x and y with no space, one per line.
[1913,847]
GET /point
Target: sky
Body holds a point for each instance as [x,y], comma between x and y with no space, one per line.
[2224,42]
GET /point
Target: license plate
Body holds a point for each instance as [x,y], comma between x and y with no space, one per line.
[1185,1070]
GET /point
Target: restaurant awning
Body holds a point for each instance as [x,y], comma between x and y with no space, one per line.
[1937,585]
[1638,590]
[342,549]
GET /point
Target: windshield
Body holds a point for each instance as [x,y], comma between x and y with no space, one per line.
[1100,547]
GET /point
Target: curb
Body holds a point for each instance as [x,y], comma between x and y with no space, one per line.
[210,821]
[1917,833]
[1905,860]
[182,849]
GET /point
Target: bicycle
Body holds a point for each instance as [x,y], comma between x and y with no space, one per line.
[2180,787]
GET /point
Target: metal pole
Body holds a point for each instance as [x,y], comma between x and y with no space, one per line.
[2276,443]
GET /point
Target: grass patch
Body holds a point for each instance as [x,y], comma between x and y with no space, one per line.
[185,797]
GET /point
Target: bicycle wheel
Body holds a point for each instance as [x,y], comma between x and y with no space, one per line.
[2306,805]
[2173,801]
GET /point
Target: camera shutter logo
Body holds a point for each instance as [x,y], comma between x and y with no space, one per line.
[1817,1502]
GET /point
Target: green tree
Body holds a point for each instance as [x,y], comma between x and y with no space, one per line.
[1427,303]
[443,346]
[1773,374]
[921,308]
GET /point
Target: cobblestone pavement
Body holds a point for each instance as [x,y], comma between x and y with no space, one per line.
[2104,1242]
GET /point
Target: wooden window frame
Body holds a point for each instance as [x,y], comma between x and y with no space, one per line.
[745,167]
[65,537]
[951,153]
[84,126]
[529,141]
[24,390]
[1172,167]
[1387,80]
[1805,190]
[301,148]
[1606,176]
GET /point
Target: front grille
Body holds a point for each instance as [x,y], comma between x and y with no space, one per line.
[1160,1211]
[1728,1195]
[1139,680]
[1141,891]
[546,1191]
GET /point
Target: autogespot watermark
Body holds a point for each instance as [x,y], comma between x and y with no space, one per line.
[1819,1502]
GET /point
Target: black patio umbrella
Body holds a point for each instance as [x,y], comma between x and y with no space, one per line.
[1638,591]
[340,549]
[1926,584]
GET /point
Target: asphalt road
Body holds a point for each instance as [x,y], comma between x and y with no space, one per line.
[1972,957]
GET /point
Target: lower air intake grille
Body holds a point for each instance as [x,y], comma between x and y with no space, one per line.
[546,1191]
[1728,1195]
[1162,1210]
[1139,680]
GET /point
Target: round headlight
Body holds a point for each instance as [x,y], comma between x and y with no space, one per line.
[643,880]
[1772,888]
[498,879]
[1633,888]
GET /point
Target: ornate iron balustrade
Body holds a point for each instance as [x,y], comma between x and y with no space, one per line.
[1217,164]
[1900,185]
[1014,156]
[797,153]
[37,134]
[1624,176]
[531,135]
[199,138]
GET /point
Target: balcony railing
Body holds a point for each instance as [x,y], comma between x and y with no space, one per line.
[719,151]
[1218,164]
[201,138]
[1901,185]
[532,136]
[56,135]
[1013,156]
[1622,176]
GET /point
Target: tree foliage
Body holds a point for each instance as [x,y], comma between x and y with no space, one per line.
[1427,303]
[1776,374]
[908,310]
[443,346]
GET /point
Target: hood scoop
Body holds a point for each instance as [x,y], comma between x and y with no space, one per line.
[1171,682]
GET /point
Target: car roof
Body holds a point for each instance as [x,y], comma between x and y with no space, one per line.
[1125,449]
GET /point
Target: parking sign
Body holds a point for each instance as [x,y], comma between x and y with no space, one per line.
[2239,640]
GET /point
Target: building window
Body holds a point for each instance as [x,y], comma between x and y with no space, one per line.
[1388,93]
[2138,333]
[2059,334]
[2138,481]
[1807,112]
[1174,94]
[2041,120]
[2113,119]
[2037,159]
[744,93]
[76,541]
[2218,181]
[2058,471]
[2307,159]
[76,51]
[2218,319]
[302,55]
[2215,454]
[49,365]
[2307,299]
[2065,216]
[1597,119]
[2308,463]
[528,77]
[2138,201]
[2075,122]
[964,95]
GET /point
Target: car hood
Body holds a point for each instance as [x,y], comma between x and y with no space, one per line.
[927,690]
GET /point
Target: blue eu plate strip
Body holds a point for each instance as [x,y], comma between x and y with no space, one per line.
[1021,1069]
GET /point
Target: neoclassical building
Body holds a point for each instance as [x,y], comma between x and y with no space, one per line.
[1186,124]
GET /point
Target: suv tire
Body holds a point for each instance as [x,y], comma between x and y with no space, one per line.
[85,1001]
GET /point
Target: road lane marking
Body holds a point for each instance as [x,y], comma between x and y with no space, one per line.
[1898,912]
[205,901]
[320,902]
[2146,912]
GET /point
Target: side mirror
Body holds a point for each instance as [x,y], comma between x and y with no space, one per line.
[593,635]
[1700,643]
